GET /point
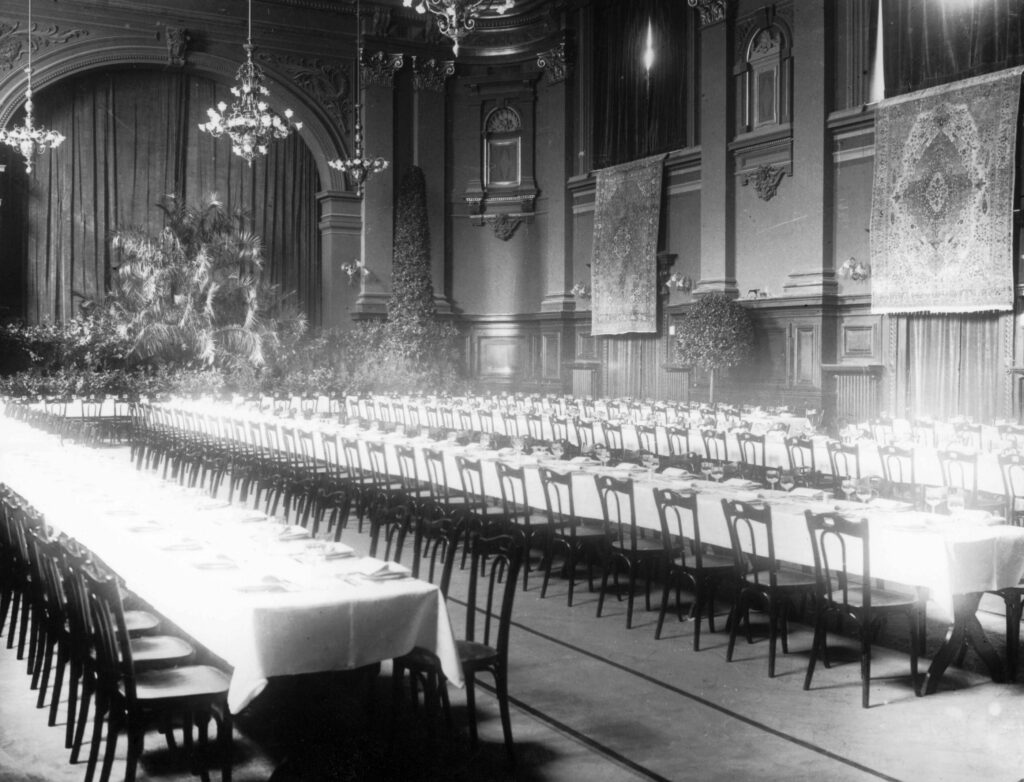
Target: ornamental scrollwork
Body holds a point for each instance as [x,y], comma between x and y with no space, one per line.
[379,68]
[766,180]
[328,83]
[178,40]
[12,41]
[431,74]
[711,11]
[556,63]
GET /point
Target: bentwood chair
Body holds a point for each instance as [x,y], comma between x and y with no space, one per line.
[1011,465]
[753,462]
[800,454]
[842,570]
[688,560]
[130,699]
[960,473]
[647,437]
[761,580]
[566,533]
[898,475]
[627,551]
[517,511]
[715,449]
[844,459]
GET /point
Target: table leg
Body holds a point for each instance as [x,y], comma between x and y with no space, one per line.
[966,629]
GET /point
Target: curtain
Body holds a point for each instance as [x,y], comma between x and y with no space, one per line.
[132,138]
[636,115]
[929,42]
[953,365]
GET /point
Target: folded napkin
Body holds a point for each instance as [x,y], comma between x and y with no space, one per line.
[211,503]
[583,460]
[338,551]
[803,492]
[268,584]
[676,472]
[294,533]
[379,570]
[881,503]
[741,483]
[186,544]
[220,562]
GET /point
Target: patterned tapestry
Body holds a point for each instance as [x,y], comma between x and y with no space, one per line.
[942,201]
[624,272]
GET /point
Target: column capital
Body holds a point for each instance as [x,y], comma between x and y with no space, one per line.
[557,62]
[711,11]
[380,67]
[431,74]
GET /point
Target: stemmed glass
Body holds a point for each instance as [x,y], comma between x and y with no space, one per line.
[651,462]
[955,501]
[863,490]
[934,495]
[602,454]
[706,469]
[519,446]
[848,486]
[718,471]
[771,475]
[787,481]
[557,450]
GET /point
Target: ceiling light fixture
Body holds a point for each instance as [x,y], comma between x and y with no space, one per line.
[457,18]
[28,139]
[357,166]
[251,123]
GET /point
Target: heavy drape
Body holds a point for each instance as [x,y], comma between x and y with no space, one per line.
[929,42]
[636,114]
[132,137]
[953,365]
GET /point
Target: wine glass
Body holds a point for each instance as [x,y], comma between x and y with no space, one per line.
[787,480]
[557,450]
[848,486]
[519,446]
[602,454]
[771,475]
[863,490]
[955,501]
[717,471]
[934,495]
[706,468]
[650,461]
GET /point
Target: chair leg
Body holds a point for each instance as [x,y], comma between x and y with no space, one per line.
[865,665]
[501,687]
[73,679]
[816,646]
[664,608]
[471,709]
[734,624]
[83,714]
[58,684]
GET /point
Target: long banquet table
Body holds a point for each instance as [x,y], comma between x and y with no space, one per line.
[262,597]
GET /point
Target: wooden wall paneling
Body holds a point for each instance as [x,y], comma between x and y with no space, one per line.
[806,363]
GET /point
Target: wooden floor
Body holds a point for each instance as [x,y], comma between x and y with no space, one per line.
[595,701]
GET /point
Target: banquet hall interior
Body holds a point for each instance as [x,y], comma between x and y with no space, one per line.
[279,277]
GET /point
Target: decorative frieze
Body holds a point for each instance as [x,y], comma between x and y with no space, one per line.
[12,41]
[328,83]
[431,74]
[379,68]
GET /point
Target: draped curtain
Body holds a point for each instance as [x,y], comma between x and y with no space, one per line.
[928,42]
[953,364]
[636,115]
[132,138]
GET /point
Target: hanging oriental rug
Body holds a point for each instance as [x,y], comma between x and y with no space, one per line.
[624,272]
[942,201]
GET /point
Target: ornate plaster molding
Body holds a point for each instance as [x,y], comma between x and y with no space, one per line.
[503,224]
[178,40]
[431,74]
[556,63]
[766,180]
[380,68]
[12,41]
[711,11]
[327,83]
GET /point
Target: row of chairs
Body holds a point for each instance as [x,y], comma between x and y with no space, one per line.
[71,619]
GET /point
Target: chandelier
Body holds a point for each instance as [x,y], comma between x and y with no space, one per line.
[27,138]
[457,18]
[358,166]
[251,123]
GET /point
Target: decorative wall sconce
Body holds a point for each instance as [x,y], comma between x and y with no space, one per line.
[355,270]
[679,282]
[855,270]
[579,291]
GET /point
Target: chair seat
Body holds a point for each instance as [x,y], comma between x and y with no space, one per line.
[139,622]
[709,562]
[644,546]
[784,577]
[189,681]
[163,651]
[582,533]
[474,654]
[880,598]
[419,659]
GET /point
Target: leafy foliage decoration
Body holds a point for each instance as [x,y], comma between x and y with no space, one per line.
[715,333]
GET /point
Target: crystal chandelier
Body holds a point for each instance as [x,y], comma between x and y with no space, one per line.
[457,18]
[357,165]
[251,123]
[27,138]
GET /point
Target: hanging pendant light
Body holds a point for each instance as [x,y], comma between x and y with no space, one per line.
[29,140]
[457,18]
[357,166]
[251,124]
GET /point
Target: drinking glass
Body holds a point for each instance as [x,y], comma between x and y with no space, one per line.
[706,468]
[557,450]
[934,495]
[650,461]
[603,454]
[717,471]
[519,446]
[787,480]
[771,475]
[848,486]
[863,490]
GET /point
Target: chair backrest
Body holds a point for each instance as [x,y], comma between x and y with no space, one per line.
[647,437]
[881,430]
[514,503]
[437,475]
[73,562]
[290,444]
[752,538]
[495,564]
[331,446]
[535,426]
[472,477]
[465,420]
[307,449]
[841,548]
[800,451]
[110,634]
[1012,433]
[558,500]
[897,465]
[353,457]
[510,423]
[433,416]
[447,417]
[407,469]
[844,459]
[560,426]
[678,440]
[968,434]
[714,445]
[436,541]
[677,512]
[378,457]
[752,448]
[584,433]
[393,523]
[959,470]
[1011,465]
[612,433]
[618,509]
[923,432]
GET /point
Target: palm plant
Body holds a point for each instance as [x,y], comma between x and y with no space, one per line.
[193,292]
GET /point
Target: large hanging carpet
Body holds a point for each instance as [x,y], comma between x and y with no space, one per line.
[624,273]
[942,201]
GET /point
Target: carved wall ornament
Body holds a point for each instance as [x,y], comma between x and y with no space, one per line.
[328,83]
[766,42]
[503,224]
[556,63]
[711,11]
[766,180]
[379,68]
[177,45]
[431,74]
[12,41]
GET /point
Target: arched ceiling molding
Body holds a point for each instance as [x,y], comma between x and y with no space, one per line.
[319,131]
